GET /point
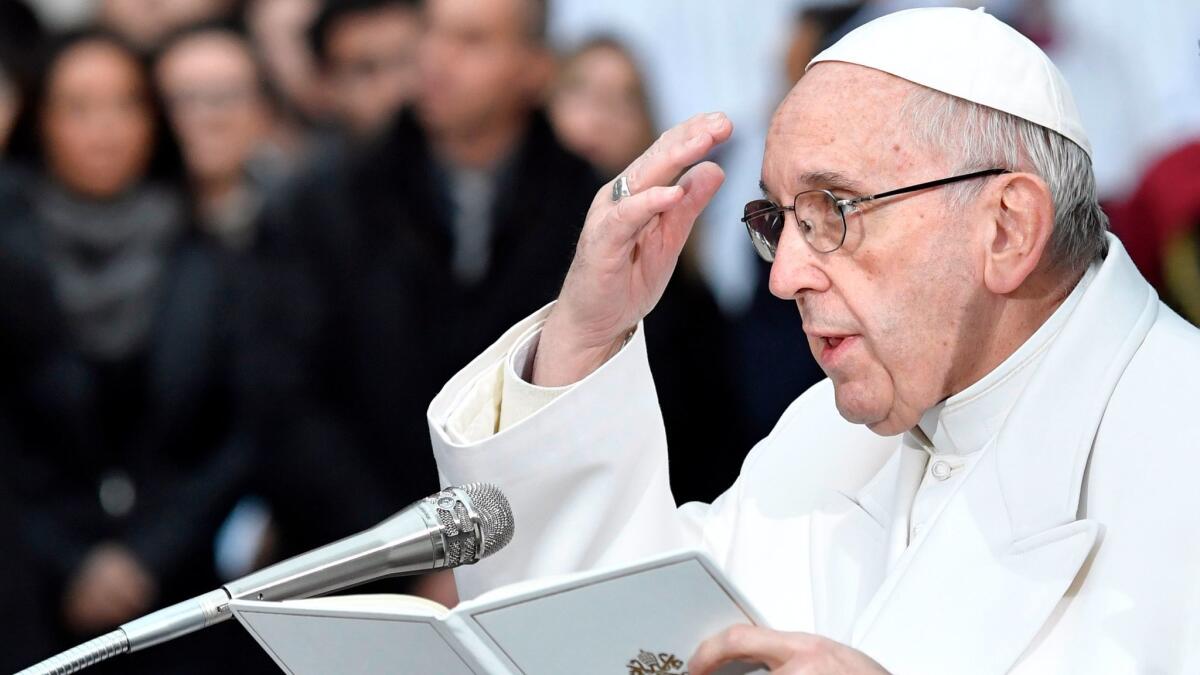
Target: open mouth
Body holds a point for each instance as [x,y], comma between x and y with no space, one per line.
[834,346]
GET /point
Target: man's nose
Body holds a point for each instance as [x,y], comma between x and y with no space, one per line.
[797,267]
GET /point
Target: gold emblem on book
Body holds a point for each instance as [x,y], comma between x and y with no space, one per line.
[661,664]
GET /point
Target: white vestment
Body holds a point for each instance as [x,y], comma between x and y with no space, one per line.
[1063,538]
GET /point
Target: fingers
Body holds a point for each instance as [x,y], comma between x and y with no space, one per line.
[679,205]
[751,644]
[680,147]
[631,214]
[651,175]
[699,185]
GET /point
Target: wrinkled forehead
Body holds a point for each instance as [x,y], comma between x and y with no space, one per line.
[843,120]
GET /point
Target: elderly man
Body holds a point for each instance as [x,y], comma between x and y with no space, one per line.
[999,473]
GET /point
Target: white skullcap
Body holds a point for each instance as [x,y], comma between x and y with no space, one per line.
[969,54]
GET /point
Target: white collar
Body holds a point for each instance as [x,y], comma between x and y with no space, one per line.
[965,422]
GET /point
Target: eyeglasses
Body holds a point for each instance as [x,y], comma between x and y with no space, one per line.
[821,215]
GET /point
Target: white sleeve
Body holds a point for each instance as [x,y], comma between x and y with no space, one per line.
[584,466]
[503,397]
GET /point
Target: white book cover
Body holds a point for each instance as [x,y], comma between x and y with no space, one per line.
[635,620]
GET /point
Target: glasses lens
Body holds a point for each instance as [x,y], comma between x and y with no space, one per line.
[764,224]
[820,220]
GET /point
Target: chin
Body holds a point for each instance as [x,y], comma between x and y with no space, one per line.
[859,405]
[889,427]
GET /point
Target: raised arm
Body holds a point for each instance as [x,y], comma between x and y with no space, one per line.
[585,466]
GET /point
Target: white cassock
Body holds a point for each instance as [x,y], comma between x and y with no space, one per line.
[1044,520]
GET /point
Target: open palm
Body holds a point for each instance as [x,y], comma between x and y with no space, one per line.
[628,250]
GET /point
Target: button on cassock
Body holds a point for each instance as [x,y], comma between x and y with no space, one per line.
[941,470]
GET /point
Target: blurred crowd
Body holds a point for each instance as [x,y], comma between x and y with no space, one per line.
[244,242]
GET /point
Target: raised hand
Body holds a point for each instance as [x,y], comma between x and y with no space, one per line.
[628,250]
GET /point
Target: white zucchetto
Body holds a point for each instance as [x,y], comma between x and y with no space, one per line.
[969,54]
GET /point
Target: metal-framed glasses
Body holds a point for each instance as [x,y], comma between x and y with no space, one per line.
[821,215]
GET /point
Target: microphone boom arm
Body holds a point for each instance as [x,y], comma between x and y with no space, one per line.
[457,526]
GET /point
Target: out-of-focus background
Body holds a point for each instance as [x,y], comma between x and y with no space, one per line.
[244,242]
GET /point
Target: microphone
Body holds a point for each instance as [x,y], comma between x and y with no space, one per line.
[457,526]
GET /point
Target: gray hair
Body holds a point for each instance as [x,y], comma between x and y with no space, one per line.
[979,137]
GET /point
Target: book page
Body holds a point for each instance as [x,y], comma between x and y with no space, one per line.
[637,620]
[325,636]
[644,619]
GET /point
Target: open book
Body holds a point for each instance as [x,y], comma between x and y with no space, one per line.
[635,620]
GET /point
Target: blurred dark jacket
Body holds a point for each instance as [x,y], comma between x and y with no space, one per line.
[689,344]
[141,450]
[358,319]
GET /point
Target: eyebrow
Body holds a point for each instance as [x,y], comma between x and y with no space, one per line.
[829,180]
[832,180]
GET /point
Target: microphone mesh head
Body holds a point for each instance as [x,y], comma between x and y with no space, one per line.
[495,516]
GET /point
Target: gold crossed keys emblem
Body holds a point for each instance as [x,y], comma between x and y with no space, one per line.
[662,663]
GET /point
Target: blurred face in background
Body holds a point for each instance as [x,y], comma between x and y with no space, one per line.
[371,65]
[146,22]
[479,65]
[211,85]
[599,108]
[97,122]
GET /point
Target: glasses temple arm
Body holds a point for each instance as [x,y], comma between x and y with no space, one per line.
[930,184]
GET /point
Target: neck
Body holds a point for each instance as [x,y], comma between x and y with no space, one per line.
[1013,320]
[479,148]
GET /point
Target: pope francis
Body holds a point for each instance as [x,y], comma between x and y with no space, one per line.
[1001,472]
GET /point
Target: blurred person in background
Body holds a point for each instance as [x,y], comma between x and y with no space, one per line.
[600,110]
[118,446]
[146,23]
[279,30]
[366,52]
[452,224]
[599,105]
[816,27]
[20,34]
[218,106]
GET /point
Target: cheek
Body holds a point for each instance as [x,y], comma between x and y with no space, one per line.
[139,137]
[915,330]
[894,368]
[139,131]
[70,151]
[863,388]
